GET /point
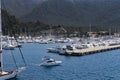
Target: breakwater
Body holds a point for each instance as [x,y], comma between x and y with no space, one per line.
[93,50]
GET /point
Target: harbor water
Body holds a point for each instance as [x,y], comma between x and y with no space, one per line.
[100,66]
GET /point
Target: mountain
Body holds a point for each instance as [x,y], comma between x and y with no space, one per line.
[67,12]
[11,25]
[76,12]
[19,7]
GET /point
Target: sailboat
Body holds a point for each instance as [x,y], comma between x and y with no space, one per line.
[5,75]
[9,45]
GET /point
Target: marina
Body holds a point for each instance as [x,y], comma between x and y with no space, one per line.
[73,66]
[59,40]
[101,66]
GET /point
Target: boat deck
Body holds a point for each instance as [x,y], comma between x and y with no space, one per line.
[5,73]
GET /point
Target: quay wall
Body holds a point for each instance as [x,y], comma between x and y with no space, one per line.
[81,52]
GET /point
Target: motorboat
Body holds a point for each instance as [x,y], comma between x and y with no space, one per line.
[54,49]
[50,62]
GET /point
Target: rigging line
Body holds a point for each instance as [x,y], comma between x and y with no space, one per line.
[12,33]
[14,59]
[20,51]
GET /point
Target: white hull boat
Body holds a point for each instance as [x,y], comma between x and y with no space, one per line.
[55,63]
[50,62]
[4,75]
[8,47]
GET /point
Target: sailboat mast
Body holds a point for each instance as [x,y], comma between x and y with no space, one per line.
[1,38]
[50,31]
[90,28]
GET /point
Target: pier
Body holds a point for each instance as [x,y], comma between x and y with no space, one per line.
[87,51]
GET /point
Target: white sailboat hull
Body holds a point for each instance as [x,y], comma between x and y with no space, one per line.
[12,74]
[9,76]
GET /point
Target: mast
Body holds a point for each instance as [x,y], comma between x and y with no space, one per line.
[109,31]
[90,28]
[1,62]
[50,32]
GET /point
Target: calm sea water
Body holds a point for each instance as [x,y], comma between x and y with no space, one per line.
[100,66]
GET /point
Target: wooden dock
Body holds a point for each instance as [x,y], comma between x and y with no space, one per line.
[81,52]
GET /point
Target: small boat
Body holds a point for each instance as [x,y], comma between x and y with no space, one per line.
[54,49]
[8,47]
[50,62]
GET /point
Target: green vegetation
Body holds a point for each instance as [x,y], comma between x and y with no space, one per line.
[12,25]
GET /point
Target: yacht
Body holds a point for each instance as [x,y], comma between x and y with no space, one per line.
[50,62]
